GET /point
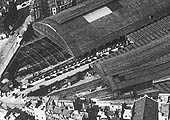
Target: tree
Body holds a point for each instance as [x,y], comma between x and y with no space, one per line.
[11,16]
[28,35]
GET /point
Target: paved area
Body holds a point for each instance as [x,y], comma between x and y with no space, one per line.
[10,45]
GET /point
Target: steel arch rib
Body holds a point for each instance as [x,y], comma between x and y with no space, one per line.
[32,49]
[40,45]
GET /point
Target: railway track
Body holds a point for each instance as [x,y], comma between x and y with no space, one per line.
[134,21]
[145,60]
[144,41]
[147,34]
[141,37]
[151,32]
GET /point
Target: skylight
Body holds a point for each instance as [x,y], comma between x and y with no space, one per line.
[90,17]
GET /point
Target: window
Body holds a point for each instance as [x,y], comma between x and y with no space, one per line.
[54,10]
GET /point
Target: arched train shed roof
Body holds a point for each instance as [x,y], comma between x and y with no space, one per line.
[87,26]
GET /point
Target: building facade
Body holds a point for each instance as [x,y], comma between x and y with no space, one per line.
[45,8]
[39,9]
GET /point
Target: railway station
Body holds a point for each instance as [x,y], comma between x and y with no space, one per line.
[84,60]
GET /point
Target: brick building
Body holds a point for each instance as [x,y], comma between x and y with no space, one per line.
[44,8]
[39,9]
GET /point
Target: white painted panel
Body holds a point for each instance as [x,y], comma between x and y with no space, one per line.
[90,17]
